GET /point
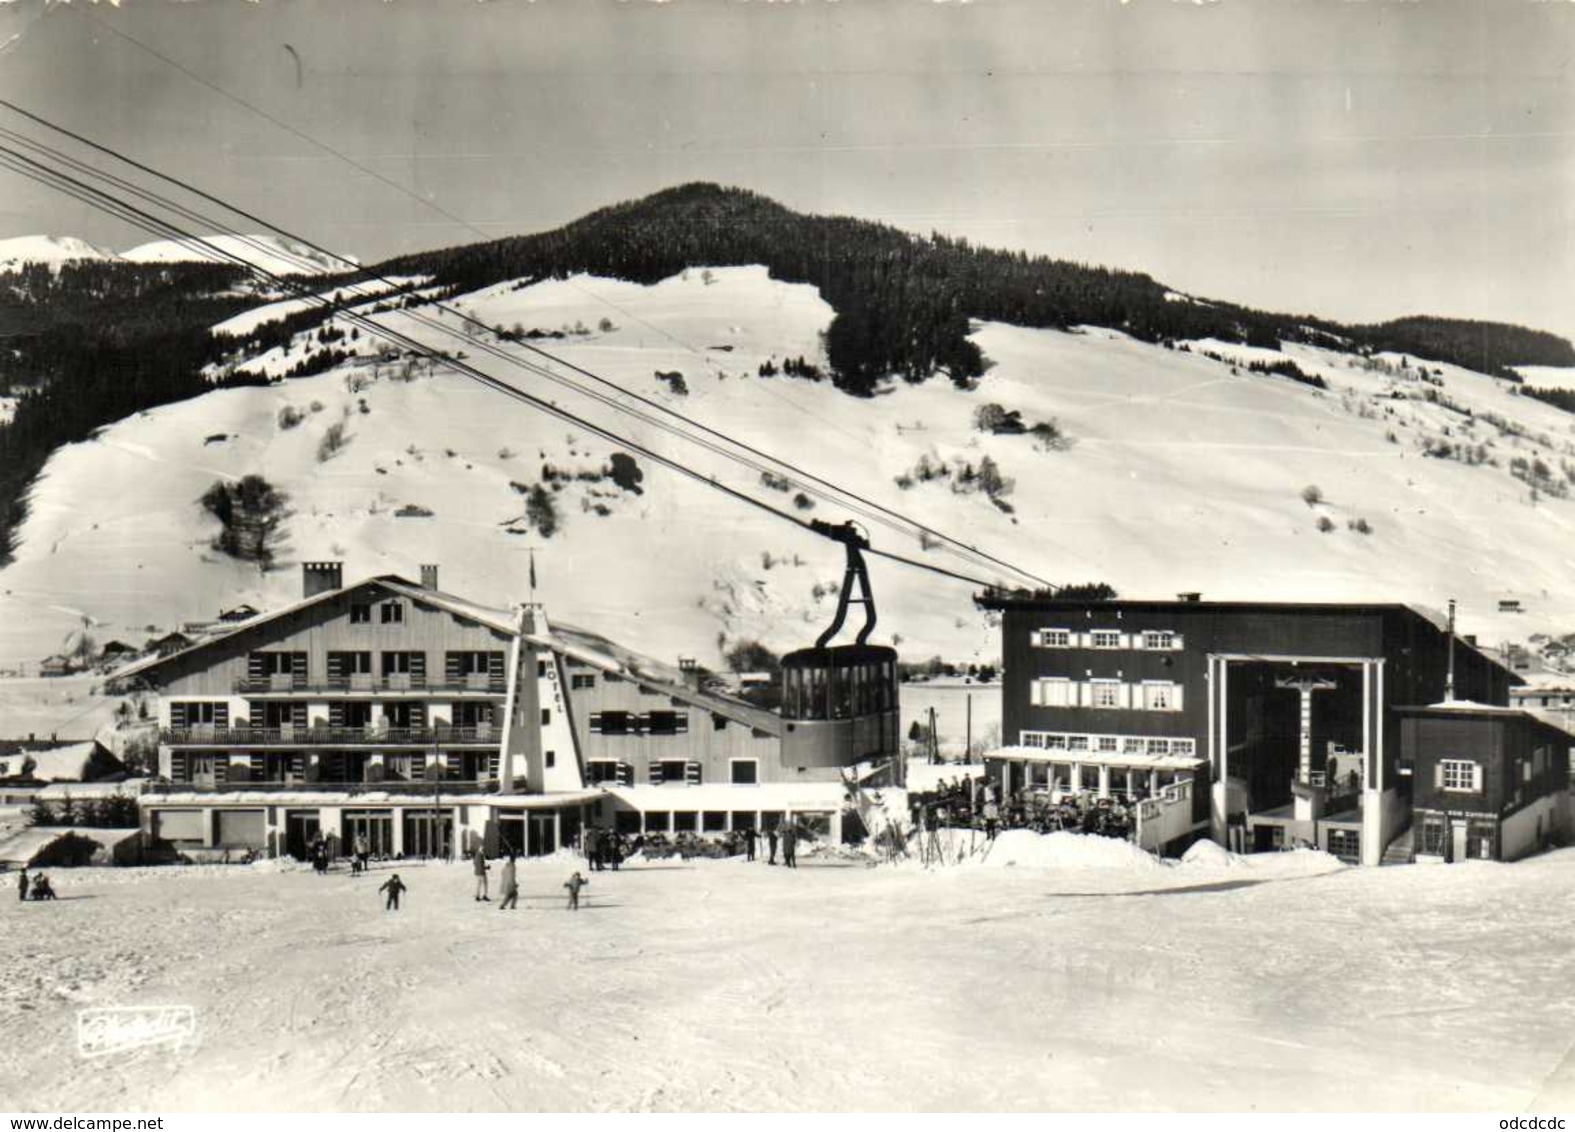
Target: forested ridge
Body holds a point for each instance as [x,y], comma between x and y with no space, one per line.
[85,344]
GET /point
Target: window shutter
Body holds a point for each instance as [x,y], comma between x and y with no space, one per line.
[1036,693]
[1476,777]
[1438,776]
[692,773]
[298,668]
[596,723]
[1175,697]
[495,665]
[254,666]
[625,774]
[654,773]
[1177,643]
[178,769]
[1124,695]
[1081,698]
[453,763]
[259,765]
[681,723]
[451,662]
[221,770]
[418,667]
[336,666]
[1081,640]
[221,716]
[1127,639]
[494,765]
[298,716]
[177,715]
[336,715]
[418,715]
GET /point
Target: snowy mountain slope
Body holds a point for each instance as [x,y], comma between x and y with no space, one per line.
[19,250]
[1181,472]
[270,253]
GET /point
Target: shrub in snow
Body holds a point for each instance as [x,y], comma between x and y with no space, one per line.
[625,472]
[333,440]
[1312,495]
[1325,524]
[290,416]
[251,516]
[1360,526]
[541,511]
[803,502]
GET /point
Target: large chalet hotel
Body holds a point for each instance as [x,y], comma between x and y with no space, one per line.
[427,724]
[1371,731]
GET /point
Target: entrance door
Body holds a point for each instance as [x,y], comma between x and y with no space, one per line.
[377,826]
[542,837]
[300,830]
[511,834]
[1458,839]
[429,833]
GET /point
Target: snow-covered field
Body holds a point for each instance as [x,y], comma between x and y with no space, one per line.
[1181,472]
[1285,982]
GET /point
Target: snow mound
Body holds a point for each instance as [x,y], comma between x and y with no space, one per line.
[1022,847]
[1209,855]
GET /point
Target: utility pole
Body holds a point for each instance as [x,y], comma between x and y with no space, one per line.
[935,743]
[968,728]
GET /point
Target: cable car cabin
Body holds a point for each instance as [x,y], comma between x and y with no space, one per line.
[839,706]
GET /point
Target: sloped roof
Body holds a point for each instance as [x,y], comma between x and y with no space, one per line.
[497,619]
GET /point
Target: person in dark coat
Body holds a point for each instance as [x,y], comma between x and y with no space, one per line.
[510,885]
[42,889]
[790,847]
[478,861]
[393,886]
[574,884]
[749,844]
[21,886]
[593,849]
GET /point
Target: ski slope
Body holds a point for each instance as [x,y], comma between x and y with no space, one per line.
[1092,984]
[1182,473]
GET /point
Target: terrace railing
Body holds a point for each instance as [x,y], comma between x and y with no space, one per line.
[445,787]
[366,682]
[329,736]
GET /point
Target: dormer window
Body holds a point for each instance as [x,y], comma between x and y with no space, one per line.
[393,612]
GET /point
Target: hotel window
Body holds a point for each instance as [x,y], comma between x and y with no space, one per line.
[1432,837]
[1159,639]
[669,770]
[1107,743]
[1055,638]
[579,682]
[1055,742]
[611,723]
[360,613]
[1132,746]
[1033,739]
[745,772]
[1159,746]
[609,770]
[1159,696]
[1105,638]
[1077,742]
[1460,775]
[393,613]
[1105,693]
[1182,747]
[1090,777]
[666,723]
[1054,691]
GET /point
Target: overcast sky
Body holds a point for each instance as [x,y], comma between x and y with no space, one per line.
[1359,160]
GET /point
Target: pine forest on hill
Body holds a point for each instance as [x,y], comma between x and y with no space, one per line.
[90,343]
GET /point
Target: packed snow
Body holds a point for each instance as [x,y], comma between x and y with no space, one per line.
[18,251]
[1276,982]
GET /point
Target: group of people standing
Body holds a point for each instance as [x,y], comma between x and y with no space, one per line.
[38,889]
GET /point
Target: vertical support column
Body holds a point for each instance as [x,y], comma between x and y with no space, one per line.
[1104,780]
[1372,759]
[1219,758]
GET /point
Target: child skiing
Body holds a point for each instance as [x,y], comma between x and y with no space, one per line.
[393,886]
[574,884]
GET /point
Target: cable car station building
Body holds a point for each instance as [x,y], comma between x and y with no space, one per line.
[426,724]
[1259,724]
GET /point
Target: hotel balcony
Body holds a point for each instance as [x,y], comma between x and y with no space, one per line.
[233,737]
[446,787]
[362,685]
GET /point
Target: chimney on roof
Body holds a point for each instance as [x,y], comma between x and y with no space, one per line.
[690,669]
[1469,638]
[321,577]
[429,577]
